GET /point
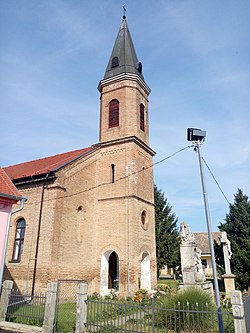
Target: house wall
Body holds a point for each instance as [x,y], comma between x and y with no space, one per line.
[5,210]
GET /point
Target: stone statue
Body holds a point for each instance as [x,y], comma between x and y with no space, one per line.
[185,233]
[200,275]
[226,251]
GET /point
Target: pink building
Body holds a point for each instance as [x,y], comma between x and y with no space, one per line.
[9,196]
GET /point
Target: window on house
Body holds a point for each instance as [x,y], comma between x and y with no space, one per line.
[114,113]
[19,240]
[204,263]
[142,123]
[112,173]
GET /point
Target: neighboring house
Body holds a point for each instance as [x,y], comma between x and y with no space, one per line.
[201,239]
[9,195]
[90,213]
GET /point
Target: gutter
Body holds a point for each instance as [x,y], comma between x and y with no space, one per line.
[22,201]
[11,197]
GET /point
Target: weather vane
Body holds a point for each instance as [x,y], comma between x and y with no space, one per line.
[124,12]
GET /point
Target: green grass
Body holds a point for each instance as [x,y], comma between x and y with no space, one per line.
[169,282]
[26,314]
[66,317]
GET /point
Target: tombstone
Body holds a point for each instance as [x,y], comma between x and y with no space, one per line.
[192,271]
[227,253]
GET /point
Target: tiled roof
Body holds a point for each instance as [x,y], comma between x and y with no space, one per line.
[43,165]
[6,186]
[201,239]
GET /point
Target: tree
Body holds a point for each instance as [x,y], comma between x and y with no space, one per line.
[237,227]
[167,241]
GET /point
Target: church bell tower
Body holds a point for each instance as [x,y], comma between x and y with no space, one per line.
[126,223]
[124,93]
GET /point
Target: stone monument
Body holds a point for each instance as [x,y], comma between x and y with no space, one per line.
[192,271]
[227,253]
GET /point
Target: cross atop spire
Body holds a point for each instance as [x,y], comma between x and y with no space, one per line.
[124,12]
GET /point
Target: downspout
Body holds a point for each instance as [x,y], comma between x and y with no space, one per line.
[22,201]
[38,237]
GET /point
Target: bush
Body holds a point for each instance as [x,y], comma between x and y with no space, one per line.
[183,311]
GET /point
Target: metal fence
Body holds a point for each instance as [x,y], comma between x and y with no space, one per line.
[65,314]
[115,316]
[26,308]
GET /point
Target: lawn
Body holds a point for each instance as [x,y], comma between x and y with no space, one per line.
[168,282]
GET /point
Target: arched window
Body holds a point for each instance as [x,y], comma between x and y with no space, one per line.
[143,217]
[19,239]
[112,173]
[114,113]
[145,271]
[142,125]
[115,62]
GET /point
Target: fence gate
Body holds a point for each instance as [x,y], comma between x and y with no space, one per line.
[65,315]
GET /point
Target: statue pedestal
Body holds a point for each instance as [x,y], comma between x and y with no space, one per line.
[187,255]
[188,275]
[206,286]
[229,283]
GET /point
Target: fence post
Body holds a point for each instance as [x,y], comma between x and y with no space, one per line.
[4,301]
[238,312]
[50,308]
[81,307]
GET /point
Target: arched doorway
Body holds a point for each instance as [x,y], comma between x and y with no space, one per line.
[109,272]
[145,271]
[113,271]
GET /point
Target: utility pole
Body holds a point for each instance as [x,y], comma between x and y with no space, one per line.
[197,136]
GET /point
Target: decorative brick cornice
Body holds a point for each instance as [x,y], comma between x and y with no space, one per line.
[122,77]
[126,140]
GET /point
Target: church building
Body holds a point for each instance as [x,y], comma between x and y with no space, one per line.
[90,212]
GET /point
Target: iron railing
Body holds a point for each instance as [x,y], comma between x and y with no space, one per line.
[116,316]
[26,308]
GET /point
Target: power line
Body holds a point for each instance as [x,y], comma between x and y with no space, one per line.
[215,180]
[117,180]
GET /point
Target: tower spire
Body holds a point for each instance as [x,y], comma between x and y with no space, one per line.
[123,58]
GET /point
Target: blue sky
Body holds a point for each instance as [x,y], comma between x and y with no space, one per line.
[196,60]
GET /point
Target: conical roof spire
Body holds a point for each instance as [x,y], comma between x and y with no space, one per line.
[123,58]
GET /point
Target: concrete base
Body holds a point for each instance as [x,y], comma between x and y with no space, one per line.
[229,283]
[20,328]
[206,286]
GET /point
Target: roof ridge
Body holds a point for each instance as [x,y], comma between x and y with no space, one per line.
[44,165]
[43,158]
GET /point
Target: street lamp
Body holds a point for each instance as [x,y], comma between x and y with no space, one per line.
[197,136]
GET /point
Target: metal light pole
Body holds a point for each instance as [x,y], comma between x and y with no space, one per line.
[198,136]
[209,230]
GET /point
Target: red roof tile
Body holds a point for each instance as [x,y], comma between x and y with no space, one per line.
[43,165]
[6,186]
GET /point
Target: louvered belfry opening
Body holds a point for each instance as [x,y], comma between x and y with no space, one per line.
[114,113]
